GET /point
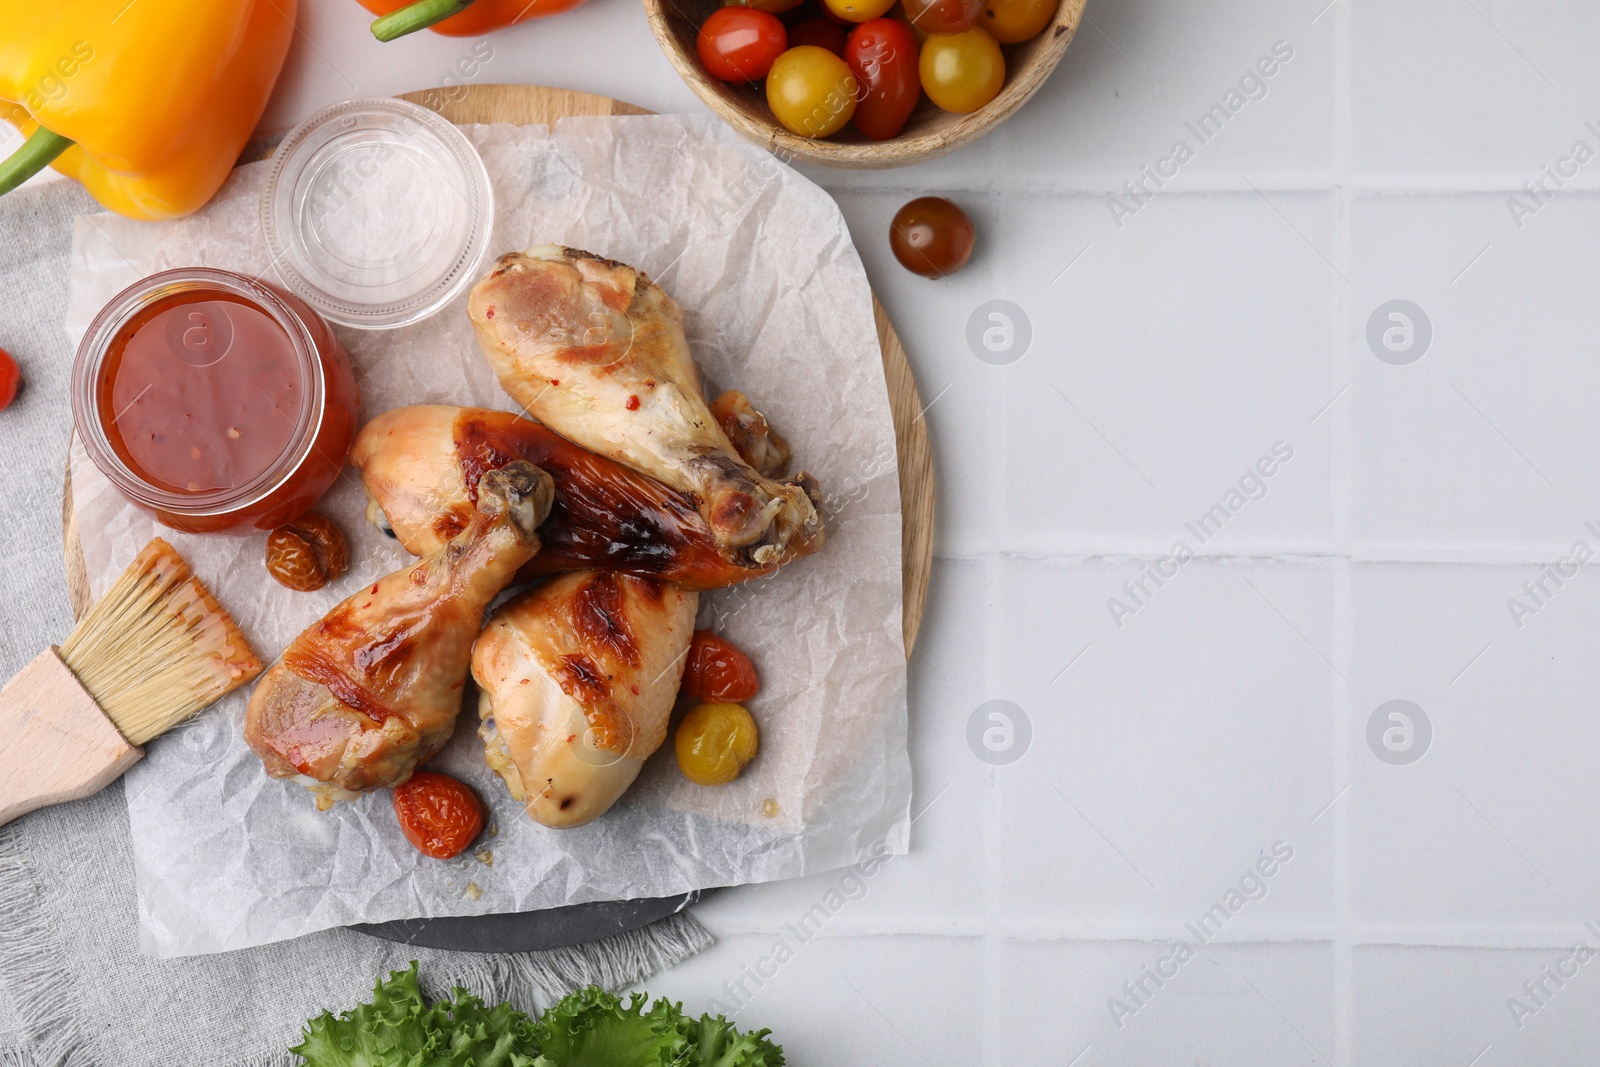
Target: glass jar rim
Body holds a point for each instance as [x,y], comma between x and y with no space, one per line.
[108,325]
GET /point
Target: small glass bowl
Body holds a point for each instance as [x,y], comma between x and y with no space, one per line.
[376,212]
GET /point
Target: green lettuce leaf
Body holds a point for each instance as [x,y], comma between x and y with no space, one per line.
[719,1044]
[399,1029]
[588,1028]
[592,1028]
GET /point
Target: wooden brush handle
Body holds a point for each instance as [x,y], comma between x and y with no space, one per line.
[55,742]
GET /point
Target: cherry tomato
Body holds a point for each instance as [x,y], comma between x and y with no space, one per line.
[833,16]
[717,671]
[738,44]
[943,16]
[898,13]
[883,56]
[714,742]
[962,72]
[931,236]
[438,814]
[859,10]
[819,32]
[307,553]
[10,375]
[811,91]
[771,7]
[1015,21]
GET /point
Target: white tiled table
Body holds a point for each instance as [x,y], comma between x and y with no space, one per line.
[1228,713]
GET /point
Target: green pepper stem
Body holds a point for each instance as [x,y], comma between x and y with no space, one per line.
[416,16]
[36,153]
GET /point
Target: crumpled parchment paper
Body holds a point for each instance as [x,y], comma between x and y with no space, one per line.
[777,304]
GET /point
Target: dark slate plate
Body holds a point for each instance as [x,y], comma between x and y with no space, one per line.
[531,931]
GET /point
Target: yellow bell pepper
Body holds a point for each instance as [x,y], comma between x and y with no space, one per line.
[148,103]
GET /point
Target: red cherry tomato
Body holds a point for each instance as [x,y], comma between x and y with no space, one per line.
[883,56]
[738,44]
[10,375]
[717,671]
[438,814]
[943,17]
[820,32]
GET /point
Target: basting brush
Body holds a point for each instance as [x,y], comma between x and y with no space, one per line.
[156,649]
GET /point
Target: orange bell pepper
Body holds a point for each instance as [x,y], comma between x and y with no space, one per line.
[148,103]
[457,18]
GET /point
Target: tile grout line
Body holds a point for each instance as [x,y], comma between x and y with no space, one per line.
[1470,556]
[998,405]
[1098,187]
[1223,186]
[993,830]
[1340,466]
[1464,935]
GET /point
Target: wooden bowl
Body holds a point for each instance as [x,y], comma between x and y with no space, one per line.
[930,131]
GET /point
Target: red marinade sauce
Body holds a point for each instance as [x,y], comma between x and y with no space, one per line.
[200,391]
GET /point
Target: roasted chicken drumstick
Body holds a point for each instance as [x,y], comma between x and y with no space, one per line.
[373,688]
[418,462]
[596,351]
[578,677]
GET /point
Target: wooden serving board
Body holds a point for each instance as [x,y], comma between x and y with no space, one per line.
[531,105]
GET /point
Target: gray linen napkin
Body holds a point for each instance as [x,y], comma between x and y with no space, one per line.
[74,988]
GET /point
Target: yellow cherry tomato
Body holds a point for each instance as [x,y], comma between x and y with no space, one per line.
[811,91]
[1015,21]
[714,742]
[962,72]
[859,10]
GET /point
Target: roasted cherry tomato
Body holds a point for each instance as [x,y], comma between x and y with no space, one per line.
[883,56]
[859,10]
[811,91]
[772,7]
[1015,21]
[943,16]
[962,72]
[931,236]
[818,32]
[738,44]
[438,814]
[10,375]
[714,742]
[307,553]
[717,671]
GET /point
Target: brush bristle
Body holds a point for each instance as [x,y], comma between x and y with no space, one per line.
[157,647]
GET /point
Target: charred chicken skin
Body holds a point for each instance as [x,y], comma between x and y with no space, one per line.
[418,462]
[373,688]
[577,678]
[596,351]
